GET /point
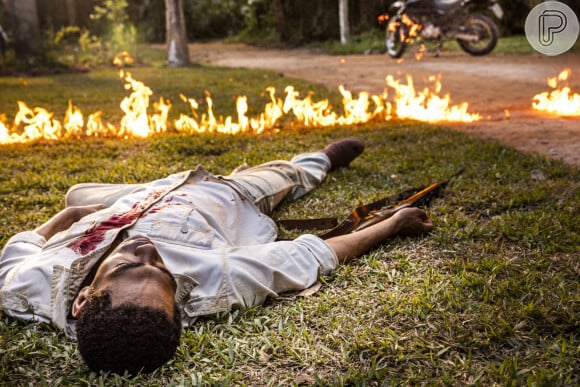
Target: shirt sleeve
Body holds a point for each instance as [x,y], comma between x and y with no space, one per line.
[258,272]
[17,250]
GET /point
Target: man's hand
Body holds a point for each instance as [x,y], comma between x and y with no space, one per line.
[412,221]
[408,221]
[65,218]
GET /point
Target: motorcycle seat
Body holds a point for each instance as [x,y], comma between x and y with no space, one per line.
[447,5]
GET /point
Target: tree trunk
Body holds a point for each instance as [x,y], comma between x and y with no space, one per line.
[71,12]
[280,18]
[177,50]
[343,21]
[25,28]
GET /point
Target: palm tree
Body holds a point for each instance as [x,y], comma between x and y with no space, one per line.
[71,12]
[25,28]
[343,21]
[177,50]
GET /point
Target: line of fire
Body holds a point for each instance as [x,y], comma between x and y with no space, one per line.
[400,100]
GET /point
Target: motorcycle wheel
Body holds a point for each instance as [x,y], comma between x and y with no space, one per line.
[396,37]
[487,31]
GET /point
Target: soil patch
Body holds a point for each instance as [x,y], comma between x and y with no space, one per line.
[491,85]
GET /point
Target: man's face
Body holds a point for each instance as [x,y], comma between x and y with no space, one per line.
[134,273]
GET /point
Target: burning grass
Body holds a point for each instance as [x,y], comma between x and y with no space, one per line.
[143,115]
[561,100]
[490,297]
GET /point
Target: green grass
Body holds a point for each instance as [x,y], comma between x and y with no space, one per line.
[490,297]
[371,41]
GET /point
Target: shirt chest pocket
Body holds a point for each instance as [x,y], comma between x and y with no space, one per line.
[183,225]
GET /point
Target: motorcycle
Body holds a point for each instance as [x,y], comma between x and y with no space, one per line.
[439,20]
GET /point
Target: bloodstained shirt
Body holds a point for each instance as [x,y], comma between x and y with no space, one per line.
[220,248]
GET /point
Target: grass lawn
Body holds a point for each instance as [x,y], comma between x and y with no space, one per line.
[490,297]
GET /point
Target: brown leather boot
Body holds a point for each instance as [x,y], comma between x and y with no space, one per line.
[342,152]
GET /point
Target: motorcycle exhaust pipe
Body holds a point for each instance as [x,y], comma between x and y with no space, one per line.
[466,37]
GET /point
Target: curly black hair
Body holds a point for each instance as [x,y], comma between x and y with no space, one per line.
[128,337]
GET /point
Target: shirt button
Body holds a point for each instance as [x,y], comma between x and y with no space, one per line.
[184,229]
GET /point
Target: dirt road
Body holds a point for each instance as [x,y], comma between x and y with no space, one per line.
[490,84]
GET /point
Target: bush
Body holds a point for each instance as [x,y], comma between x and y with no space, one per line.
[110,34]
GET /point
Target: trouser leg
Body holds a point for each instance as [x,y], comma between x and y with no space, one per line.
[270,183]
[266,184]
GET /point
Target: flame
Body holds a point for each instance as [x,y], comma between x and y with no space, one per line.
[420,52]
[382,18]
[138,121]
[413,27]
[427,105]
[95,126]
[135,122]
[36,123]
[413,30]
[122,59]
[73,120]
[560,101]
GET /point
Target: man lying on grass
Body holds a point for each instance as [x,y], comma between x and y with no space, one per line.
[125,266]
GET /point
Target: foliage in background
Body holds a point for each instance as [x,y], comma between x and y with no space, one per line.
[78,47]
[107,32]
[265,21]
[301,21]
[296,22]
[205,19]
[259,24]
[112,26]
[110,33]
[211,19]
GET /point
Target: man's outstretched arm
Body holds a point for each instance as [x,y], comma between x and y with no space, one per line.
[408,221]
